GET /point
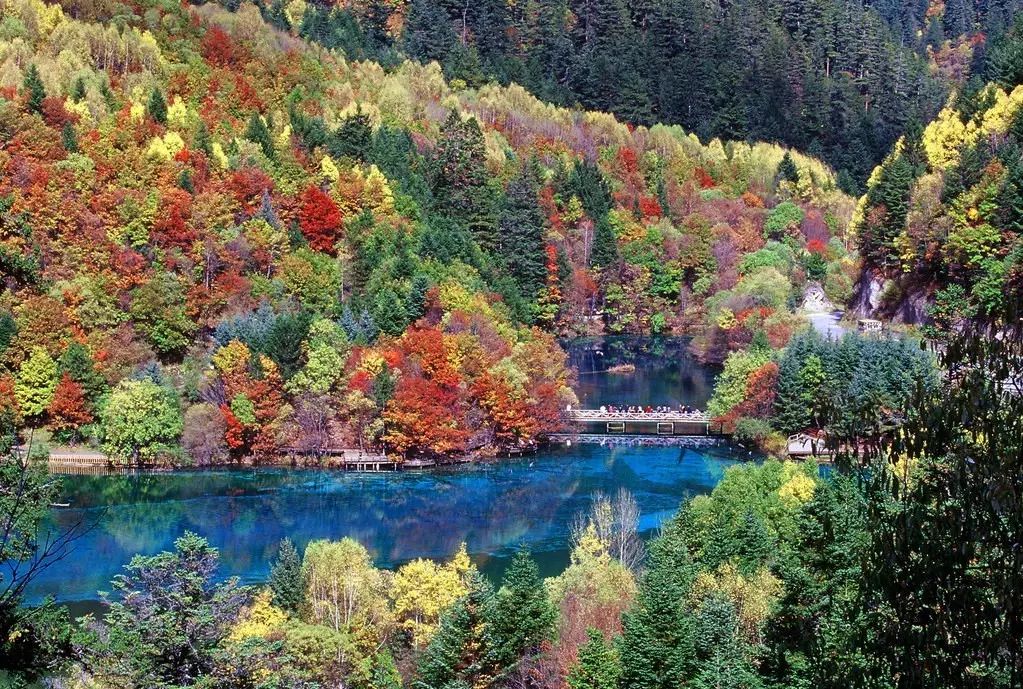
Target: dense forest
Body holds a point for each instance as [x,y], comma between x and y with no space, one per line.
[939,226]
[838,79]
[221,242]
[233,231]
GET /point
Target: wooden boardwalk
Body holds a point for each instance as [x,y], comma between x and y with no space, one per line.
[75,463]
[664,423]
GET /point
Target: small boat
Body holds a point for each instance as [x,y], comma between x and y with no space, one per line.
[622,368]
[60,504]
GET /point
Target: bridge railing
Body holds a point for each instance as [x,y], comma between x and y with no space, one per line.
[651,416]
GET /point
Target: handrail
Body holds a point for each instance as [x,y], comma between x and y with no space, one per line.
[598,415]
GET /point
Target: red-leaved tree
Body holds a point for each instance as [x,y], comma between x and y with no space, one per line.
[319,219]
[69,410]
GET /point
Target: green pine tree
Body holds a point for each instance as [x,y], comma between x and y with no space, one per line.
[415,305]
[156,108]
[68,138]
[588,183]
[787,170]
[604,252]
[463,651]
[790,411]
[521,231]
[1010,198]
[108,96]
[77,363]
[354,138]
[185,181]
[656,646]
[203,141]
[524,615]
[460,183]
[34,88]
[428,34]
[78,90]
[597,666]
[257,132]
[725,657]
[286,580]
[389,312]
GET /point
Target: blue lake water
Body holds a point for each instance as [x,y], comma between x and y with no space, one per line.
[493,508]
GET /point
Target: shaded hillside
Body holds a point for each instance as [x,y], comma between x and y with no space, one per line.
[824,76]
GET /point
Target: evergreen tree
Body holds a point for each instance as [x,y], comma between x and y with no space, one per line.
[33,84]
[108,96]
[415,305]
[277,16]
[787,170]
[389,312]
[185,181]
[77,363]
[891,191]
[604,251]
[78,90]
[156,108]
[657,642]
[790,411]
[753,546]
[354,138]
[524,615]
[68,138]
[588,183]
[257,132]
[464,650]
[286,580]
[1010,199]
[203,142]
[428,34]
[725,657]
[460,185]
[597,666]
[521,229]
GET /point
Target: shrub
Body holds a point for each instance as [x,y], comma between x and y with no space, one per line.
[783,217]
[750,430]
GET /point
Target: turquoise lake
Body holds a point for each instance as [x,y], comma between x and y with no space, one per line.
[493,508]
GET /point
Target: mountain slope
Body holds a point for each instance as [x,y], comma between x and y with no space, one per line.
[299,249]
[939,226]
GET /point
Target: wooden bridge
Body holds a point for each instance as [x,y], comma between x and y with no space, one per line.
[666,423]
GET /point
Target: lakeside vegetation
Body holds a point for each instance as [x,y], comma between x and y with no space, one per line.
[781,577]
[223,243]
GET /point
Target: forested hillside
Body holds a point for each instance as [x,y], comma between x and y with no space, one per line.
[829,77]
[939,225]
[202,212]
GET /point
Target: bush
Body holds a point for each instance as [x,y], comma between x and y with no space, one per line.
[783,217]
[775,444]
[750,430]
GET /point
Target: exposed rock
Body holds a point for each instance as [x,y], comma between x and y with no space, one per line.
[815,300]
[901,299]
[866,296]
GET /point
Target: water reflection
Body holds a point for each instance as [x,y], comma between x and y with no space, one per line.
[402,516]
[398,516]
[665,371]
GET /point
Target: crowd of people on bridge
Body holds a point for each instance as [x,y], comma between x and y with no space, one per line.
[639,409]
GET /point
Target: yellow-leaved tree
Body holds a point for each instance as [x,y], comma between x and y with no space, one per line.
[344,590]
[261,620]
[422,590]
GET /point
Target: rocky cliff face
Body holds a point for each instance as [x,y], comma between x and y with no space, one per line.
[898,300]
